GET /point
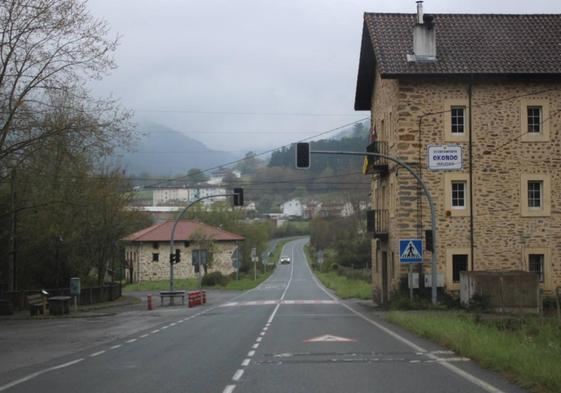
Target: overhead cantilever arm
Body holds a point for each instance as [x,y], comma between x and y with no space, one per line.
[434,276]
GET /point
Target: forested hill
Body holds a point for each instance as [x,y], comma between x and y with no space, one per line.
[356,142]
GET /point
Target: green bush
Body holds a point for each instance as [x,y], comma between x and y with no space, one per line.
[214,278]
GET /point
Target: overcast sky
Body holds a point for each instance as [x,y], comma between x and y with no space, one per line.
[244,75]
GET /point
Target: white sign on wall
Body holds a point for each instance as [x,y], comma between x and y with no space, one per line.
[445,157]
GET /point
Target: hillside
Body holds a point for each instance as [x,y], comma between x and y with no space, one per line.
[163,151]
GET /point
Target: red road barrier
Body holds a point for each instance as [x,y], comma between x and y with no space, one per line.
[195,298]
[149,299]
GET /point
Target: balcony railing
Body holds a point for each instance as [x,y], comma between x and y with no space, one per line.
[378,222]
[377,164]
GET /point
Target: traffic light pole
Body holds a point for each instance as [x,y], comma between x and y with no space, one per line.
[434,276]
[172,238]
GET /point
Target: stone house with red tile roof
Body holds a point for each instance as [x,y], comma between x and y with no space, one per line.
[148,250]
[487,87]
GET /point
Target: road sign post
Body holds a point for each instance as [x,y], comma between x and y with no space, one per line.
[254,260]
[302,150]
[236,260]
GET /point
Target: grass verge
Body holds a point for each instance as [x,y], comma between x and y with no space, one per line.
[344,287]
[530,355]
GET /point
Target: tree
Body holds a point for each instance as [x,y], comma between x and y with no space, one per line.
[250,164]
[47,48]
[196,176]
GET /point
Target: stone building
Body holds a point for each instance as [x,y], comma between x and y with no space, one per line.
[148,250]
[483,93]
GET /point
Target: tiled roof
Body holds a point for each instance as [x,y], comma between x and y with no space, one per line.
[466,44]
[471,43]
[185,228]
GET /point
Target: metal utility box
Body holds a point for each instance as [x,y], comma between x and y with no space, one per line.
[439,280]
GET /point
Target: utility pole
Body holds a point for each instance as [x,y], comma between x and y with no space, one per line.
[12,281]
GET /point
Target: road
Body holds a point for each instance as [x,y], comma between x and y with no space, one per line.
[288,335]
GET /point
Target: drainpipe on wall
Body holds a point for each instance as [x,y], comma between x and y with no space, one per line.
[470,88]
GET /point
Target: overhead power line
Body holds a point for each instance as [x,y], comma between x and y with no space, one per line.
[262,153]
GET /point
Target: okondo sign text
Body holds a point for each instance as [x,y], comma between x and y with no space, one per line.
[445,157]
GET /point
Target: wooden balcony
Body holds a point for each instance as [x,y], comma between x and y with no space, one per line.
[378,223]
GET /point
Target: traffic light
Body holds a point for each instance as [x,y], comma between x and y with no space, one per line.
[428,240]
[177,255]
[171,258]
[302,155]
[238,196]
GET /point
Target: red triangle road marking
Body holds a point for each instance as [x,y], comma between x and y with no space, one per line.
[329,338]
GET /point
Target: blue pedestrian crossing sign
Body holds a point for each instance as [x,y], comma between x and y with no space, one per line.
[410,251]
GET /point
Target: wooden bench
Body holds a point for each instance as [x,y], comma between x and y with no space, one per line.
[36,304]
[172,295]
[59,305]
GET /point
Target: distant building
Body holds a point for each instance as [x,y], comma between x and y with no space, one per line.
[169,196]
[172,196]
[292,208]
[147,251]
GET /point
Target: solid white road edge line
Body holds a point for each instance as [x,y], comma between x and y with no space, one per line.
[36,374]
[458,371]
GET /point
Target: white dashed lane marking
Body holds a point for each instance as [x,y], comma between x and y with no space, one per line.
[238,375]
[229,389]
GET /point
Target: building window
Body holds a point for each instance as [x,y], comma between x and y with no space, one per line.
[155,245]
[536,265]
[458,120]
[459,264]
[155,257]
[534,119]
[535,195]
[455,116]
[458,194]
[535,191]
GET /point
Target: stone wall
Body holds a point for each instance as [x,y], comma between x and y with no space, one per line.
[147,270]
[502,235]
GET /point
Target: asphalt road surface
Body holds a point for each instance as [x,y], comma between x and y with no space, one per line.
[287,335]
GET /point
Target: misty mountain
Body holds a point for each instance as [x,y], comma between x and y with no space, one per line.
[163,151]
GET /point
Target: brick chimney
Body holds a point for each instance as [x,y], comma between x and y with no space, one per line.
[424,37]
